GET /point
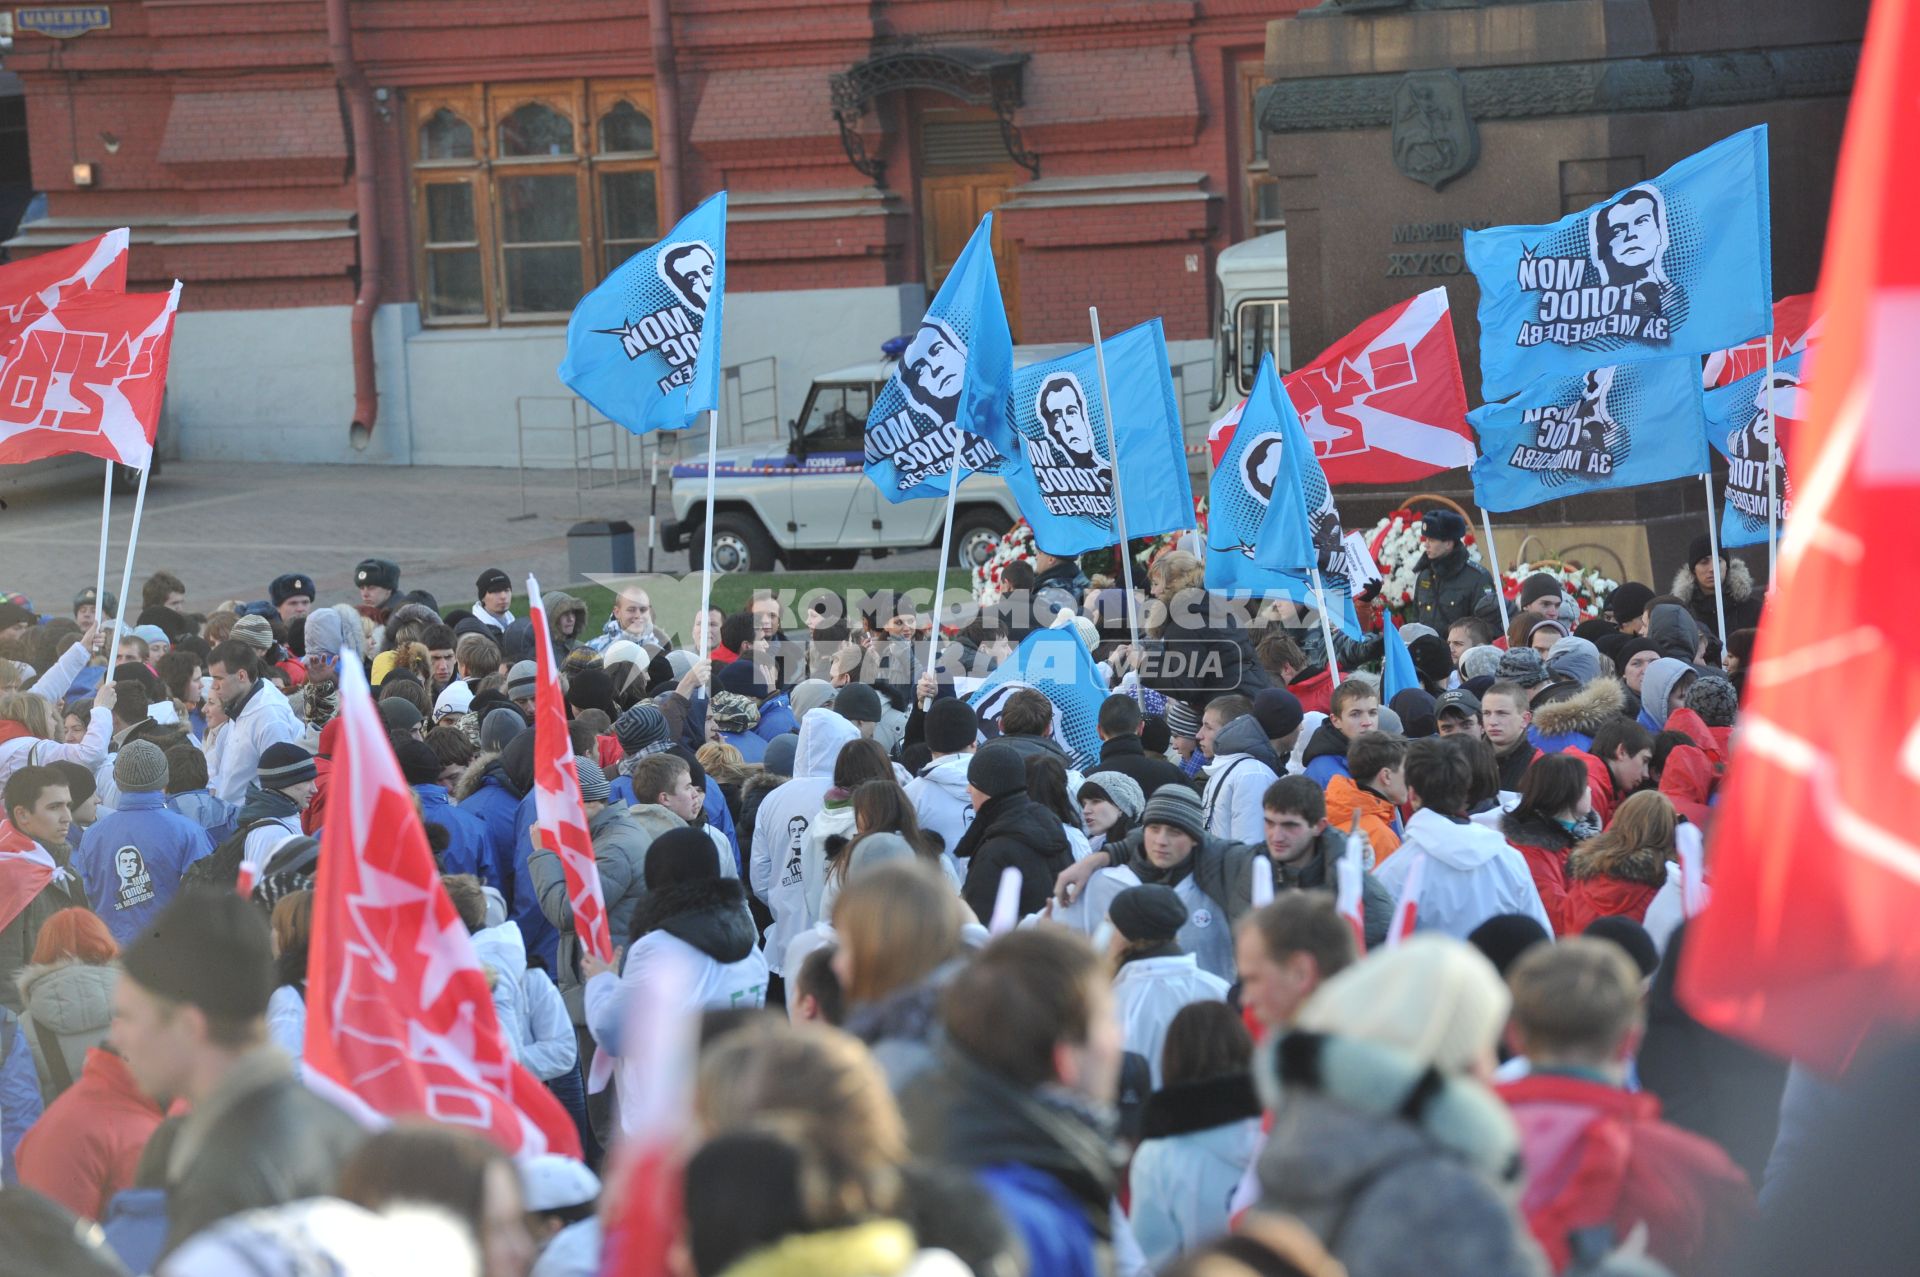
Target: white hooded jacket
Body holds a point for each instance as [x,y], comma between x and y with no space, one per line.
[780,829]
[940,799]
[1149,992]
[532,1014]
[1471,875]
[233,755]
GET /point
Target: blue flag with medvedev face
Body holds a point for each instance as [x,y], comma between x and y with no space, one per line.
[1060,470]
[644,347]
[1615,427]
[1268,523]
[1680,264]
[1744,425]
[953,378]
[1056,664]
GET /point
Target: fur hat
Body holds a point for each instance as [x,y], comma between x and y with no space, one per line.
[290,585]
[1443,525]
[381,574]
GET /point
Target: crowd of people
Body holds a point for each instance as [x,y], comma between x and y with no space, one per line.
[1160,1046]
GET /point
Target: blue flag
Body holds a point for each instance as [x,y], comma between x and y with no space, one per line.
[1681,264]
[1740,425]
[1056,664]
[1268,523]
[1607,428]
[1397,673]
[954,374]
[644,347]
[1060,471]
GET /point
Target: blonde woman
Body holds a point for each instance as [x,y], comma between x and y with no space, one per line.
[31,733]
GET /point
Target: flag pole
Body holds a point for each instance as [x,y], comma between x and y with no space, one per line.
[1773,492]
[1326,626]
[126,573]
[106,528]
[1719,586]
[1119,503]
[946,552]
[706,559]
[1499,586]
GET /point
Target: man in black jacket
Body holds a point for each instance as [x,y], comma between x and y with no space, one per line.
[1446,584]
[1121,750]
[1008,831]
[190,1018]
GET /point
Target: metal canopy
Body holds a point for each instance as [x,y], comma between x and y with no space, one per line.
[978,77]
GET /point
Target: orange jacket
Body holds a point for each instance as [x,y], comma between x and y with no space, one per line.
[1345,799]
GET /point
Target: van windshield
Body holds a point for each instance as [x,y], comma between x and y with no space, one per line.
[836,418]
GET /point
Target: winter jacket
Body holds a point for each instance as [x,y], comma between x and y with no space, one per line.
[136,1227]
[776,719]
[1315,872]
[831,828]
[780,828]
[20,1102]
[86,1146]
[1603,884]
[1244,766]
[1399,1170]
[1061,587]
[940,799]
[1742,597]
[1325,754]
[1048,1164]
[132,859]
[487,792]
[1126,755]
[620,853]
[533,1016]
[1198,657]
[1148,992]
[559,604]
[1471,875]
[1572,723]
[17,939]
[902,1028]
[468,849]
[19,748]
[260,1139]
[1599,787]
[498,624]
[213,814]
[1042,747]
[1379,819]
[1599,1156]
[1688,782]
[1544,845]
[876,1248]
[1011,831]
[752,748]
[1512,765]
[68,1009]
[233,755]
[1199,1138]
[1216,886]
[1446,589]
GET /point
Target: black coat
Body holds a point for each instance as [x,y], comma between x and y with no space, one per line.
[1197,657]
[1012,830]
[1447,589]
[1126,755]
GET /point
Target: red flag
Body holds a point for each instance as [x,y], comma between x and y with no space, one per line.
[561,821]
[1220,433]
[1794,328]
[659,1050]
[1809,941]
[32,287]
[25,871]
[88,376]
[1385,403]
[399,1017]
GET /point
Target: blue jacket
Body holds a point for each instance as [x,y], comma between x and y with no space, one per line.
[136,1227]
[131,860]
[467,843]
[752,747]
[20,1102]
[1059,1240]
[543,941]
[776,718]
[494,804]
[205,809]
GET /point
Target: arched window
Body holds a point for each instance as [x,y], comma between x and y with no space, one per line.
[445,136]
[535,129]
[625,131]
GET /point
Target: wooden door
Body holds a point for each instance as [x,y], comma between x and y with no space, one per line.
[952,204]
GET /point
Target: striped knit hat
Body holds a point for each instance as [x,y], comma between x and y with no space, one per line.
[284,763]
[1176,805]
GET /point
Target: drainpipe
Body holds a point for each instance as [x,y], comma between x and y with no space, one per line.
[353,84]
[666,107]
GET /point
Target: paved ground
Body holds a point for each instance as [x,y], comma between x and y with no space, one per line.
[228,528]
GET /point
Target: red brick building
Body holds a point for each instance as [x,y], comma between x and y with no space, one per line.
[384,209]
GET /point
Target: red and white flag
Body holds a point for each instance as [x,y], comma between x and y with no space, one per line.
[1406,910]
[400,1020]
[659,1050]
[32,287]
[1220,433]
[1809,945]
[1350,881]
[25,871]
[1794,328]
[560,820]
[88,376]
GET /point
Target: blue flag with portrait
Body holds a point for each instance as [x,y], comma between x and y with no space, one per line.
[953,379]
[1268,522]
[1614,427]
[1060,471]
[1056,664]
[1680,264]
[644,346]
[1750,428]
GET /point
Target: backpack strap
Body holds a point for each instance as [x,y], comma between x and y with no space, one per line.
[52,1056]
[1217,786]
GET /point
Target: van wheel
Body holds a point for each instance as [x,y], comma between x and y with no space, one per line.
[976,534]
[740,544]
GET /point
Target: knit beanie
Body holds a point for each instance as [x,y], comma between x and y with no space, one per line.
[1182,721]
[1538,586]
[1433,997]
[1118,788]
[681,855]
[594,786]
[592,688]
[522,679]
[779,755]
[499,727]
[1479,662]
[812,693]
[1178,806]
[1634,645]
[1629,601]
[1505,936]
[140,768]
[1278,712]
[1148,914]
[255,632]
[491,581]
[1575,658]
[997,771]
[877,848]
[418,763]
[642,730]
[1630,936]
[398,715]
[952,726]
[1699,550]
[1522,665]
[283,763]
[208,949]
[857,703]
[1713,698]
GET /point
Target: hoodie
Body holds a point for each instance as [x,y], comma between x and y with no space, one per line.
[558,604]
[1656,689]
[1571,723]
[1674,631]
[1325,755]
[1471,875]
[780,827]
[69,1005]
[1244,765]
[940,800]
[533,1016]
